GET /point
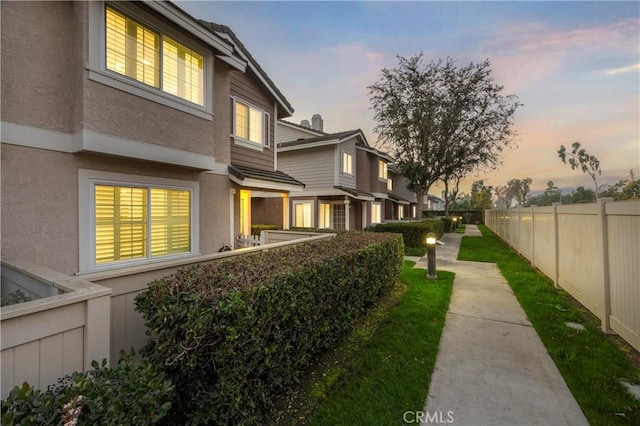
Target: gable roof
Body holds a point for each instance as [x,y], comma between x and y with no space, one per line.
[239,49]
[327,139]
[301,127]
[377,152]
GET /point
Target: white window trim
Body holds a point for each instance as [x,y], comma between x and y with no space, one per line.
[313,210]
[98,71]
[266,127]
[87,179]
[342,154]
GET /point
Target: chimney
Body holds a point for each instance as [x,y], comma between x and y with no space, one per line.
[317,123]
[305,123]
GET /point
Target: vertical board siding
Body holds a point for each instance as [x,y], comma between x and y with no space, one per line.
[624,269]
[544,243]
[580,267]
[581,254]
[525,237]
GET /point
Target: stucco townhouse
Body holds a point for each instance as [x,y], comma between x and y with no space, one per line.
[132,133]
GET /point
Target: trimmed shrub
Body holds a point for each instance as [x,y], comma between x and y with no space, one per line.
[132,393]
[447,224]
[235,333]
[256,229]
[414,234]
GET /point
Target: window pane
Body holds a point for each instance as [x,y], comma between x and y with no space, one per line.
[346,163]
[132,49]
[255,125]
[170,221]
[303,215]
[182,71]
[242,120]
[324,221]
[120,223]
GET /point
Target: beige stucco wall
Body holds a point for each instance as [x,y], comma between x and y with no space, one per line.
[39,203]
[37,61]
[46,84]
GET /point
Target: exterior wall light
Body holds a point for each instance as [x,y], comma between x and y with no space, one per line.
[431,256]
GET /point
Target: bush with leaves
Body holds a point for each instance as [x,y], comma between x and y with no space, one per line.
[235,333]
[414,234]
[131,393]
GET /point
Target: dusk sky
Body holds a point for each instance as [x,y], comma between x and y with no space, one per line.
[574,65]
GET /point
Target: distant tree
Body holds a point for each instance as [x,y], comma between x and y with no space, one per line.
[520,188]
[480,195]
[580,195]
[504,196]
[462,202]
[440,120]
[550,195]
[578,158]
[625,189]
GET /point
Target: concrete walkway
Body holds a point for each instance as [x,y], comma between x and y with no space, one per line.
[492,368]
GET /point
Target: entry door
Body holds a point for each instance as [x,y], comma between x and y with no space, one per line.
[338,212]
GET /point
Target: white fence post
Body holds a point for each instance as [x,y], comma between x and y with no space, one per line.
[533,236]
[606,284]
[556,238]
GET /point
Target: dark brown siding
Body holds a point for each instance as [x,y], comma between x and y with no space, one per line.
[266,211]
[246,87]
[364,171]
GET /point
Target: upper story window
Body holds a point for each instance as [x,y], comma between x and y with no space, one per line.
[389,185]
[251,125]
[153,58]
[382,170]
[347,163]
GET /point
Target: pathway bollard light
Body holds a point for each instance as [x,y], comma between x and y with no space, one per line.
[431,256]
[455,223]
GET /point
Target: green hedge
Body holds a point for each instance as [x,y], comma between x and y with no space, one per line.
[256,229]
[132,393]
[234,334]
[414,234]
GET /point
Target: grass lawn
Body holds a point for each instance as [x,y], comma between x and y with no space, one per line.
[390,372]
[588,360]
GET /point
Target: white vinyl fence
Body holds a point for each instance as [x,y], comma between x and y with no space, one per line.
[590,250]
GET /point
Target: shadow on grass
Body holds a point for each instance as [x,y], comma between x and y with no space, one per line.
[390,373]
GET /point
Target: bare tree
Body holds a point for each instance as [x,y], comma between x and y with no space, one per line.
[441,121]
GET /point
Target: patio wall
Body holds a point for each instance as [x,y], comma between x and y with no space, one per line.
[93,318]
[49,337]
[589,250]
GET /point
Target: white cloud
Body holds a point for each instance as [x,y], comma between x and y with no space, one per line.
[624,70]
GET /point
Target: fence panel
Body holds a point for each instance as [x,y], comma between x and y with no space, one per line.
[580,255]
[597,255]
[623,220]
[544,248]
